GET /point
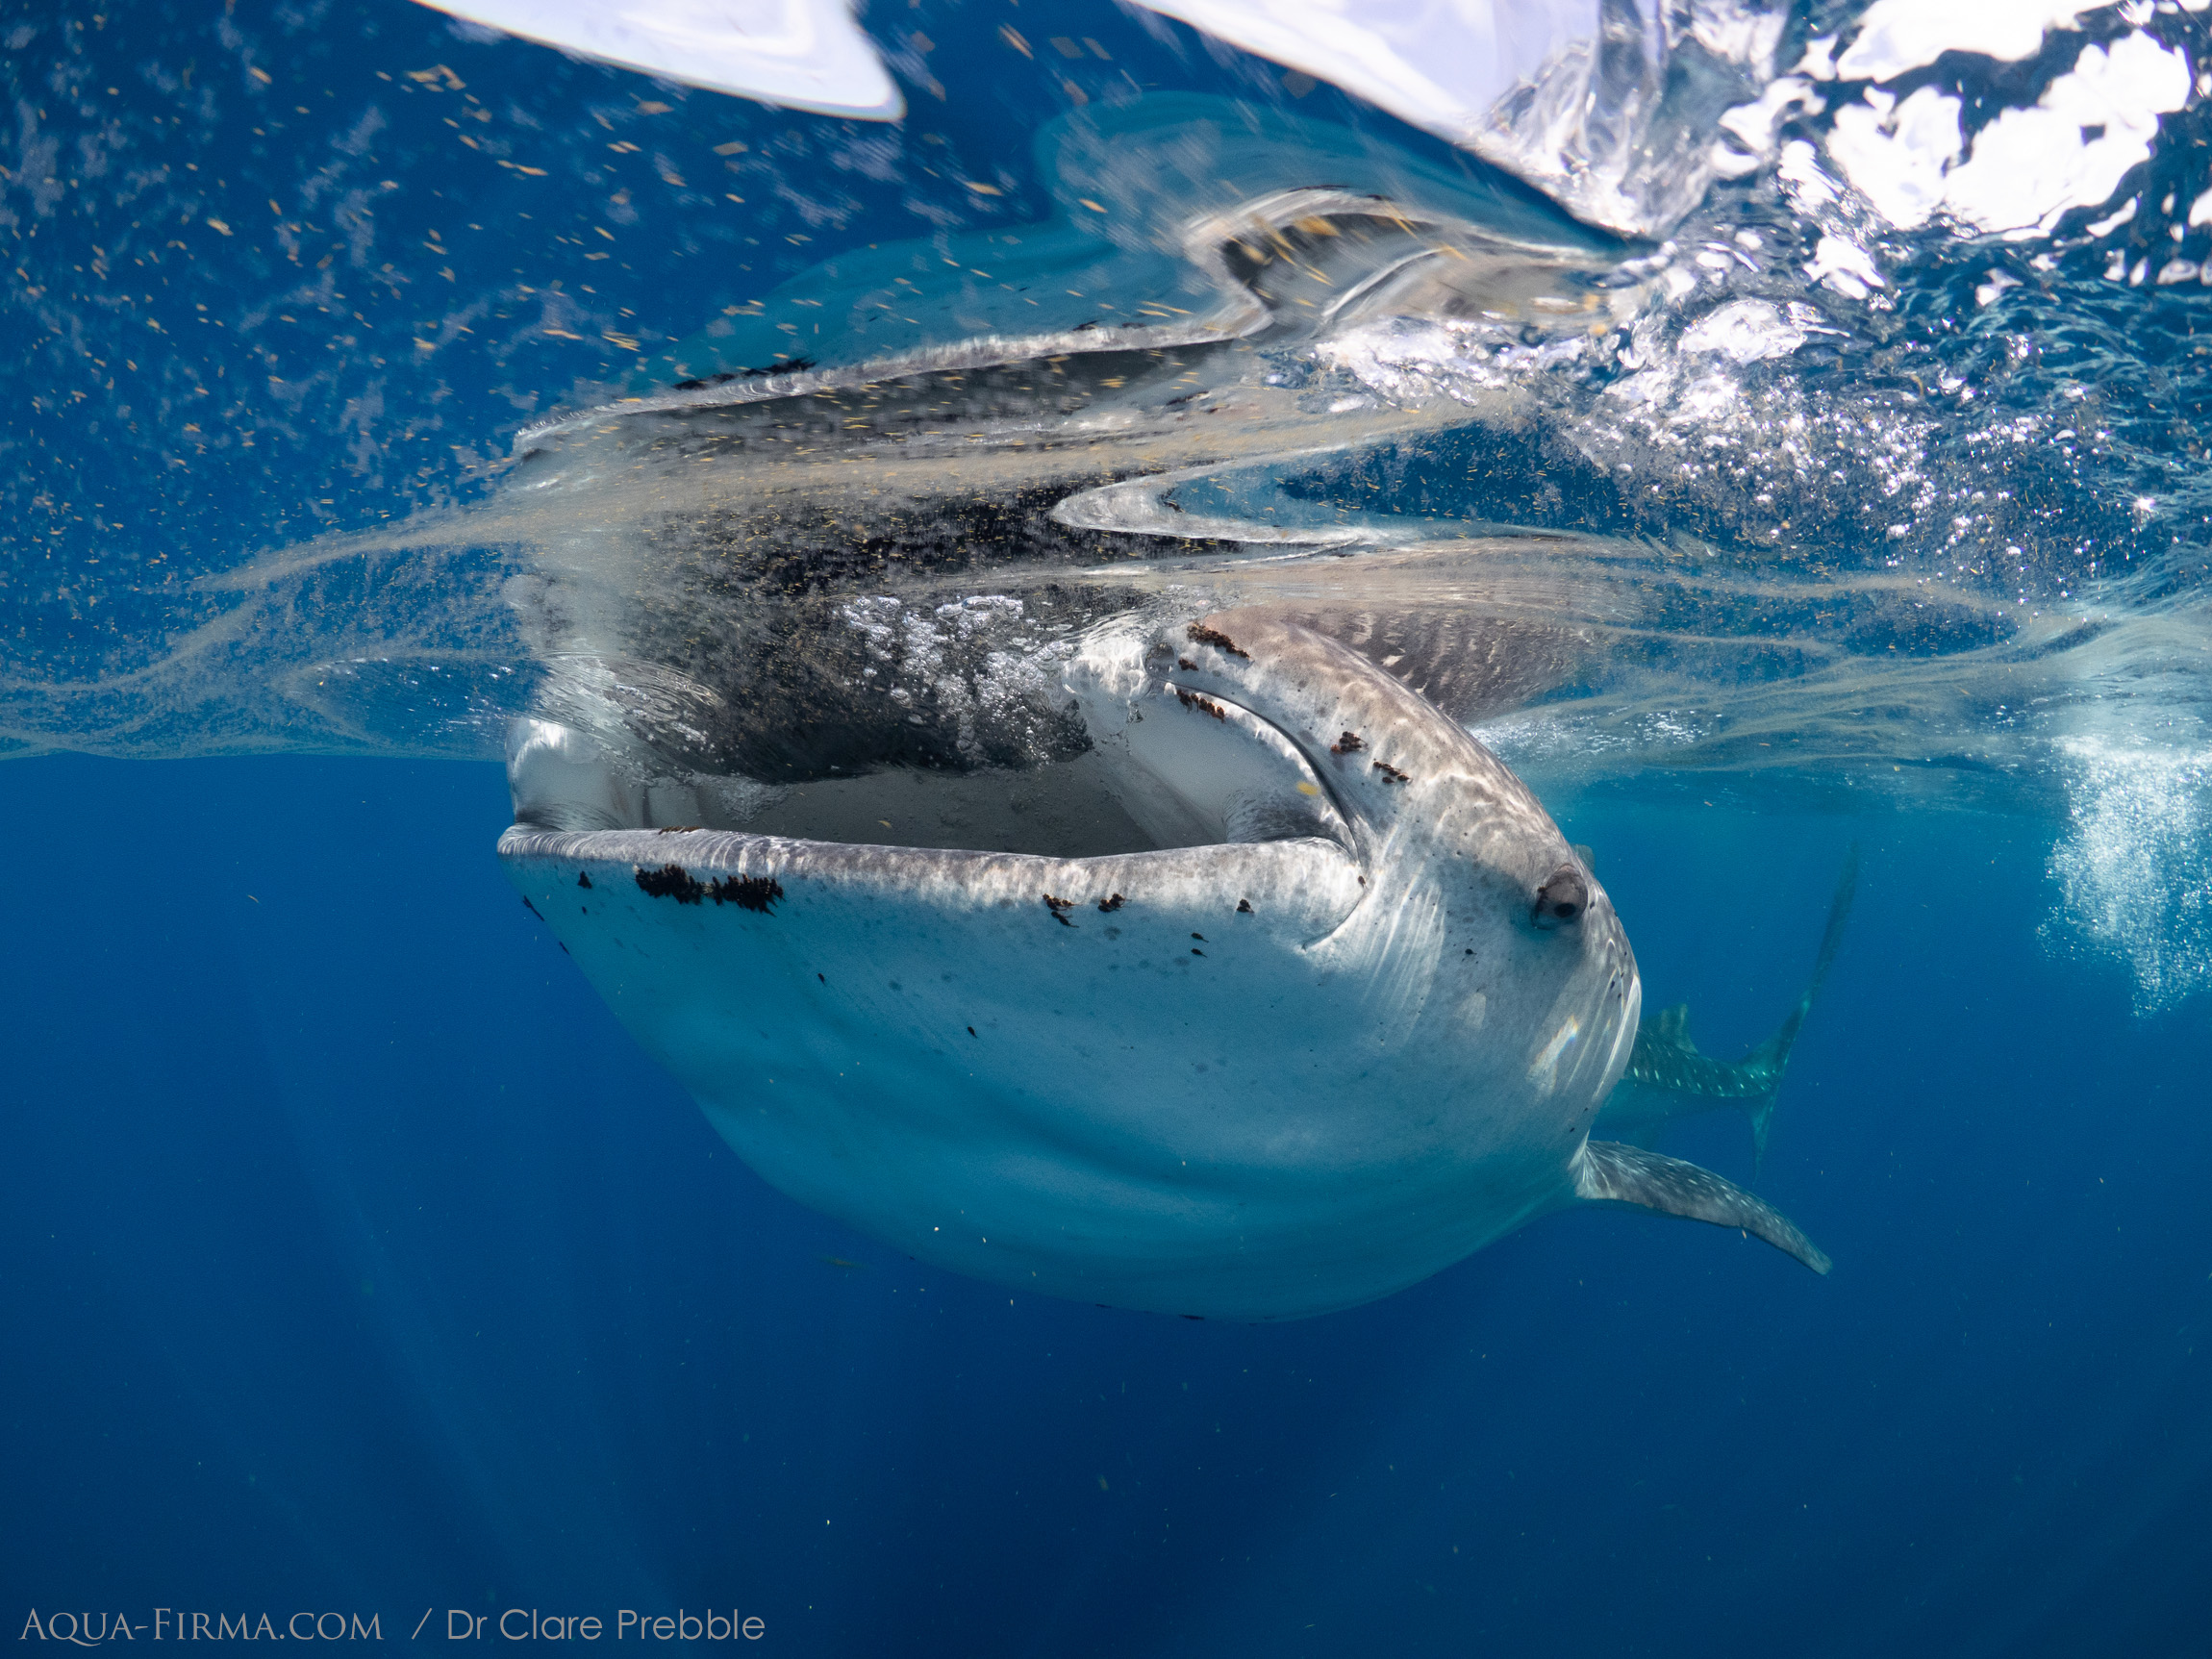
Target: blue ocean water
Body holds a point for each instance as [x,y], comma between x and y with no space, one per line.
[356,1259]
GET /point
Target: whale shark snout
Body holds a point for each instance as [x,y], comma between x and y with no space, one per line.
[1340,1011]
[1464,903]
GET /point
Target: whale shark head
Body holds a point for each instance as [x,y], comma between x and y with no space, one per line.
[1473,907]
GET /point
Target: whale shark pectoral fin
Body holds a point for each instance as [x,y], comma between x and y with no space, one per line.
[1609,1173]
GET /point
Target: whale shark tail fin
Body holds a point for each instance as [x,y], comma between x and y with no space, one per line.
[1609,1173]
[1762,1116]
[1772,1057]
[1775,1050]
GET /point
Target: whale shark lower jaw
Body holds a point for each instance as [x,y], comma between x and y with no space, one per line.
[1342,1014]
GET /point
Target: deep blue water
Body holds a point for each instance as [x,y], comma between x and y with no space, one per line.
[356,1260]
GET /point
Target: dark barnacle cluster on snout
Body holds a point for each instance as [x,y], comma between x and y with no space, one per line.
[753,892]
[1347,745]
[1060,907]
[672,881]
[1201,635]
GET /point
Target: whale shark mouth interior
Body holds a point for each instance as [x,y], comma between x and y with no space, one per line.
[1063,809]
[1169,768]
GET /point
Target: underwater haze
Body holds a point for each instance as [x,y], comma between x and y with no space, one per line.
[1782,449]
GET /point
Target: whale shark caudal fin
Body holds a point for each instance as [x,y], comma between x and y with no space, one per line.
[1609,1173]
[1774,1054]
[1667,1077]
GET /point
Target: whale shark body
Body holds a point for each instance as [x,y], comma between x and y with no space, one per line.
[1261,1078]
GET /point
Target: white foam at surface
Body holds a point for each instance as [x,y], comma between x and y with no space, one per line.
[1843,265]
[1745,332]
[1808,187]
[1818,63]
[801,54]
[1894,154]
[2029,166]
[2104,227]
[1407,361]
[1900,35]
[1990,291]
[2134,866]
[1754,125]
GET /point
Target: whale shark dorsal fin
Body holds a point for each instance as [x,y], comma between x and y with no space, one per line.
[1609,1173]
[1674,1023]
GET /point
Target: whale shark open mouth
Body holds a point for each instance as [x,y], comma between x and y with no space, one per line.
[1343,1012]
[1134,773]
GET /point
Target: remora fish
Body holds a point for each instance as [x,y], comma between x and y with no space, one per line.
[1667,1078]
[1360,1030]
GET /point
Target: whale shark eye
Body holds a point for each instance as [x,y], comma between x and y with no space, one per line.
[1562,898]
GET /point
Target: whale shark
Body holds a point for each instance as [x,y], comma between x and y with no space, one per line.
[1044,841]
[1356,1026]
